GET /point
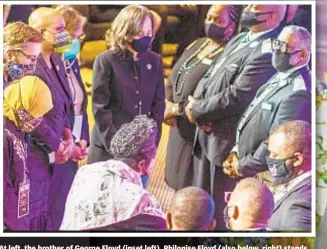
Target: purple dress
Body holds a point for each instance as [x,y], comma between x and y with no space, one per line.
[14,158]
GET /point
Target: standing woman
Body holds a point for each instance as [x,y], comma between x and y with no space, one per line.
[22,46]
[127,81]
[221,25]
[26,100]
[80,129]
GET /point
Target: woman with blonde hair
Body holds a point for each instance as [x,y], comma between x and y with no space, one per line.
[62,181]
[127,80]
[22,46]
[26,100]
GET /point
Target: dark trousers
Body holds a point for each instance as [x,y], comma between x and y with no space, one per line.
[212,179]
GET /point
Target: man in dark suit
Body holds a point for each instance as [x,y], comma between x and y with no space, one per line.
[285,97]
[289,163]
[223,94]
[250,207]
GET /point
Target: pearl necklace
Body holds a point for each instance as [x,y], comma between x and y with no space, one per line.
[188,68]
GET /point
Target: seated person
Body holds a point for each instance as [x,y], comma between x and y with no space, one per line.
[289,163]
[191,209]
[250,206]
[109,195]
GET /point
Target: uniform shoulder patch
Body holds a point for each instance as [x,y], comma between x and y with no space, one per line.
[266,46]
[299,84]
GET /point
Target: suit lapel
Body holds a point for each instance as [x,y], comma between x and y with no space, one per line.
[300,185]
[276,89]
[60,71]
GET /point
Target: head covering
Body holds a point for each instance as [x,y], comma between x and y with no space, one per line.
[135,138]
[105,193]
[25,100]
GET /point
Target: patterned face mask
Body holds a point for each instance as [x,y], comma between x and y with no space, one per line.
[17,71]
[63,43]
[26,122]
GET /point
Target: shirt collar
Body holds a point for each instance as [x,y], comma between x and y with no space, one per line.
[254,36]
[285,188]
[284,75]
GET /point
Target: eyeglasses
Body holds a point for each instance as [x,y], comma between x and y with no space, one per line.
[283,47]
[32,58]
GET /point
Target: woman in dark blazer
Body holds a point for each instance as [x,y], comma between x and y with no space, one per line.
[220,26]
[127,80]
[80,127]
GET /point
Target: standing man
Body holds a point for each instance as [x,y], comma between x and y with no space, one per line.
[285,97]
[223,94]
[289,163]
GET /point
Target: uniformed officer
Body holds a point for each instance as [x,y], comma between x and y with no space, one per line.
[285,97]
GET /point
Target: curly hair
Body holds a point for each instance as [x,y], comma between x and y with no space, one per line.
[17,33]
[135,138]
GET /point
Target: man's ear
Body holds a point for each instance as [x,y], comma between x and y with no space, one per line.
[298,159]
[212,225]
[233,212]
[169,221]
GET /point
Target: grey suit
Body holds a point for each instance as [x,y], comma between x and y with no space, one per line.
[222,96]
[278,101]
[293,211]
[321,239]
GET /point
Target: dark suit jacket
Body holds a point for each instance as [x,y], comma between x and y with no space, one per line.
[114,96]
[46,138]
[321,239]
[224,95]
[141,222]
[293,211]
[289,101]
[85,126]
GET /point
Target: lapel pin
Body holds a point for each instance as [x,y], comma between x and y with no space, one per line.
[148,66]
[57,67]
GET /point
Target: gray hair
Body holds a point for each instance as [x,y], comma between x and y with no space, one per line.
[135,138]
[301,33]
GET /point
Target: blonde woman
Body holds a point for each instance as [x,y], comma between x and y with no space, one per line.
[22,46]
[127,81]
[25,102]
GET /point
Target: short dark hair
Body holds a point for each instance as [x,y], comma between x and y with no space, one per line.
[298,136]
[192,208]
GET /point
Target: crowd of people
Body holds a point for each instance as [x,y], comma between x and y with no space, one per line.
[238,103]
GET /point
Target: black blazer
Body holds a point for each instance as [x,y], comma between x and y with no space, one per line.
[115,92]
[290,100]
[293,211]
[224,92]
[49,133]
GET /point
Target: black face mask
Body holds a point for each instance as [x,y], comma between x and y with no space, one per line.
[281,173]
[214,32]
[142,44]
[249,18]
[281,61]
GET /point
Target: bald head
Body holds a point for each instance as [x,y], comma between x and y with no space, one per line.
[250,206]
[191,209]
